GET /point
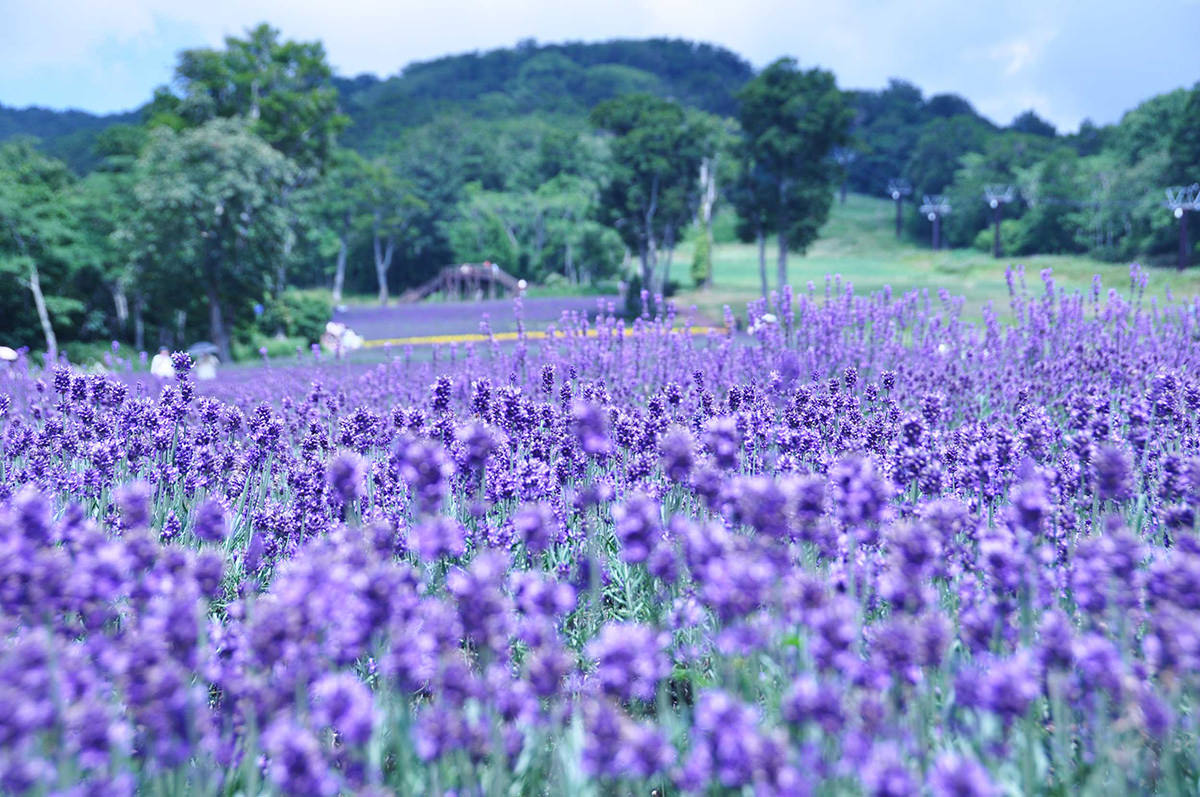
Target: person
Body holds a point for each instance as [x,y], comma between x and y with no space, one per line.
[161,366]
[206,366]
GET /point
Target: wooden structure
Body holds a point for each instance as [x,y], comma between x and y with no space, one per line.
[473,281]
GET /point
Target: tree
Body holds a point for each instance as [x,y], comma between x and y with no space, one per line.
[284,89]
[1184,148]
[103,208]
[792,120]
[753,217]
[937,154]
[392,203]
[210,223]
[34,235]
[1029,122]
[655,159]
[338,207]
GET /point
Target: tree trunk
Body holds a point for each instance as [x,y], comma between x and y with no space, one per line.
[569,266]
[708,180]
[289,241]
[996,232]
[762,259]
[339,273]
[708,232]
[216,322]
[139,326]
[669,243]
[39,301]
[650,246]
[383,262]
[281,267]
[1185,248]
[120,304]
[783,245]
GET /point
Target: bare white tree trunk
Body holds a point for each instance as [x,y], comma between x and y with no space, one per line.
[762,260]
[783,253]
[708,200]
[383,262]
[39,301]
[120,304]
[339,272]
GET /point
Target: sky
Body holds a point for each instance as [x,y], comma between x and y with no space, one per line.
[1066,60]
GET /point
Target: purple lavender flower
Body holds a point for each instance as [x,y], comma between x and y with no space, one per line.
[860,491]
[345,476]
[677,449]
[638,527]
[590,427]
[296,765]
[211,524]
[630,660]
[723,441]
[536,526]
[439,536]
[1113,473]
[134,503]
[958,776]
[342,702]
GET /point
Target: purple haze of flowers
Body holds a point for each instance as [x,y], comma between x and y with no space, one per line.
[211,524]
[638,527]
[958,776]
[723,442]
[1113,472]
[629,660]
[590,427]
[295,762]
[342,702]
[345,476]
[439,536]
[134,503]
[536,526]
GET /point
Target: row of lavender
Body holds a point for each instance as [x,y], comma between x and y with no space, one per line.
[869,547]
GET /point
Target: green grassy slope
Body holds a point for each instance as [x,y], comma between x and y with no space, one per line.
[858,242]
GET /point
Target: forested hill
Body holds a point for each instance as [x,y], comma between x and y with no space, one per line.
[561,79]
[564,79]
[67,135]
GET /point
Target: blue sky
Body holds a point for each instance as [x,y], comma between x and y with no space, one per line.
[1066,60]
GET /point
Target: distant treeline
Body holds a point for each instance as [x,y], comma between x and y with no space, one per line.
[258,171]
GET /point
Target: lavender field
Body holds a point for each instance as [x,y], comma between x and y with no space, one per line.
[454,317]
[869,548]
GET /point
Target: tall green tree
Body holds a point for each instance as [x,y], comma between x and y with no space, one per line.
[35,237]
[284,89]
[649,194]
[1184,148]
[394,206]
[336,210]
[209,222]
[792,119]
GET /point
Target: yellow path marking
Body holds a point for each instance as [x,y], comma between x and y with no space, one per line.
[476,337]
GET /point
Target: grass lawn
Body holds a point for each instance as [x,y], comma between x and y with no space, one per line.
[859,243]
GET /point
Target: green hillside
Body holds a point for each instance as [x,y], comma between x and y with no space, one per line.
[558,79]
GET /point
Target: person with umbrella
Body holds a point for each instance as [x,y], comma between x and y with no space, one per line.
[205,355]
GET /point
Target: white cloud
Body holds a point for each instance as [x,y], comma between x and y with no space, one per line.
[1021,52]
